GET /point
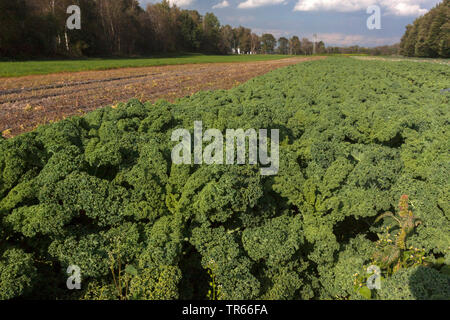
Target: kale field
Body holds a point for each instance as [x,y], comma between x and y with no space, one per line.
[100,193]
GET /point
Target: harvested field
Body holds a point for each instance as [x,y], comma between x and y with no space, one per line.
[26,102]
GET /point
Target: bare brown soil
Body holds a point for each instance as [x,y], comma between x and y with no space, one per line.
[29,101]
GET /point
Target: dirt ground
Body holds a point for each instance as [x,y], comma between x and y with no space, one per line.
[26,102]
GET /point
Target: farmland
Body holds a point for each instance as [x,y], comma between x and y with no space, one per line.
[25,68]
[397,59]
[357,139]
[26,102]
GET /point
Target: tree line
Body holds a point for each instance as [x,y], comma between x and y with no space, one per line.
[386,50]
[37,28]
[429,35]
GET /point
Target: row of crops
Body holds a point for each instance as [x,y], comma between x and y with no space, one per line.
[101,193]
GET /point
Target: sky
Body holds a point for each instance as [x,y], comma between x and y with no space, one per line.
[336,22]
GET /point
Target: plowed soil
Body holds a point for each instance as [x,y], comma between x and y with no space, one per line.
[26,102]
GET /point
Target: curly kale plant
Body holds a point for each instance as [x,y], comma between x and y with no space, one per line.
[354,136]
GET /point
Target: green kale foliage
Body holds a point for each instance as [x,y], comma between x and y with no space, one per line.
[354,136]
[417,283]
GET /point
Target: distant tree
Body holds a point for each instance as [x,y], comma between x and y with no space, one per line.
[295,47]
[27,28]
[283,45]
[189,31]
[211,33]
[321,47]
[429,35]
[381,50]
[255,43]
[444,40]
[243,39]
[423,46]
[226,39]
[307,46]
[12,15]
[408,41]
[162,17]
[268,43]
[246,40]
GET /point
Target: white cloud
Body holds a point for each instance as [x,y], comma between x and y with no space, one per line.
[222,5]
[406,9]
[181,3]
[395,7]
[259,3]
